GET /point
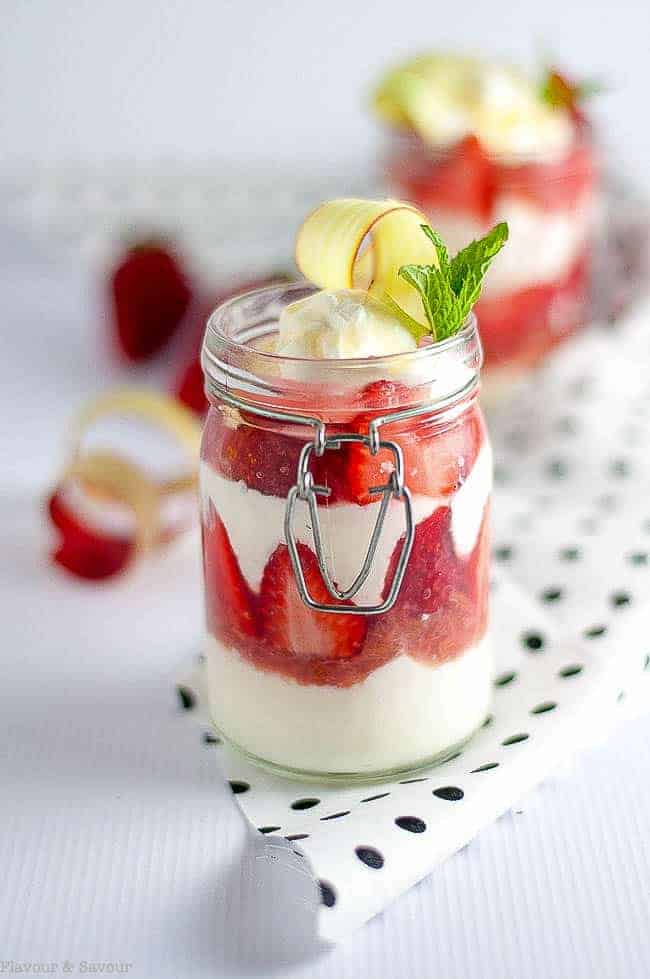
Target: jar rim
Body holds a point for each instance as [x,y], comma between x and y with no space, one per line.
[213,334]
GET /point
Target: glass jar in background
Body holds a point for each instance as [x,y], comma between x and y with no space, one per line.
[538,291]
[345,508]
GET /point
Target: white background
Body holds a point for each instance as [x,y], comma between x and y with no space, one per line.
[277,80]
[117,840]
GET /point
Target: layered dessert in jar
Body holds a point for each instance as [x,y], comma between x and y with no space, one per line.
[345,485]
[473,142]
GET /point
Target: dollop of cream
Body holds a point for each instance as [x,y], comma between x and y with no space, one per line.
[340,324]
[448,97]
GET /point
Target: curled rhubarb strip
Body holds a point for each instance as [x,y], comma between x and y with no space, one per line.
[329,248]
[106,483]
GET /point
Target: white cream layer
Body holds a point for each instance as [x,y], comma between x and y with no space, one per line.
[542,245]
[404,712]
[255,525]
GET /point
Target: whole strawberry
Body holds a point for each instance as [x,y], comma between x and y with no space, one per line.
[150,294]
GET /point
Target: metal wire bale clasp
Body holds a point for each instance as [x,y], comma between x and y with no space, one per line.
[306,490]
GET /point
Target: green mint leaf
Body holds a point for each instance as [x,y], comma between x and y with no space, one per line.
[449,290]
[417,329]
[438,244]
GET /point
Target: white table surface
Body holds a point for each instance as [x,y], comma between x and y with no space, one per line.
[118,842]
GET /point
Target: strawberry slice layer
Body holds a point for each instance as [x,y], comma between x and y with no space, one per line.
[230,603]
[442,607]
[436,460]
[290,627]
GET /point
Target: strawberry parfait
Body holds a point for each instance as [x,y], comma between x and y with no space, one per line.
[345,484]
[472,142]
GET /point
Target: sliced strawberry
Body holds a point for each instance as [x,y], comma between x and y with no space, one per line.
[436,460]
[83,550]
[459,180]
[442,606]
[290,627]
[150,294]
[230,603]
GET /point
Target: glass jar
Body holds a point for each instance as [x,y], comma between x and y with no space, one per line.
[538,291]
[345,508]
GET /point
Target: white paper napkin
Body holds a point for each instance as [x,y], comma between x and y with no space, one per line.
[570,625]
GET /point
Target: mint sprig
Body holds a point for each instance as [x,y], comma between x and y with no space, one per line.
[449,290]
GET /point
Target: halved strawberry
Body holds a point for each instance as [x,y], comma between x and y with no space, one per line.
[436,460]
[150,293]
[230,603]
[459,180]
[290,628]
[442,605]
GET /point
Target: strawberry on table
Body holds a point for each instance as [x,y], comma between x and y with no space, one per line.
[150,294]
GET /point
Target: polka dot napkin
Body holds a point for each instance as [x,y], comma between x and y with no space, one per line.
[570,626]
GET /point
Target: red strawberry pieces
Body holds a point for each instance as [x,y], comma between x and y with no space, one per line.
[437,460]
[83,550]
[290,627]
[230,603]
[442,605]
[459,180]
[556,185]
[150,295]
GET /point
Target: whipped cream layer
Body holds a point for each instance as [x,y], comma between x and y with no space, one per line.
[402,713]
[542,246]
[255,525]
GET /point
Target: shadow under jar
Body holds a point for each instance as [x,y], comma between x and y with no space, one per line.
[538,291]
[345,508]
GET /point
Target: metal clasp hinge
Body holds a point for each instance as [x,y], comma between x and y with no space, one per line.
[306,490]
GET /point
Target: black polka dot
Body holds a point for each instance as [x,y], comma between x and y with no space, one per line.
[570,554]
[638,558]
[489,765]
[595,631]
[504,679]
[533,641]
[544,707]
[210,738]
[412,824]
[410,781]
[514,739]
[268,829]
[450,793]
[552,594]
[305,803]
[370,856]
[294,837]
[186,697]
[620,599]
[327,894]
[568,671]
[239,787]
[557,468]
[335,815]
[488,720]
[619,467]
[371,798]
[646,662]
[503,553]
